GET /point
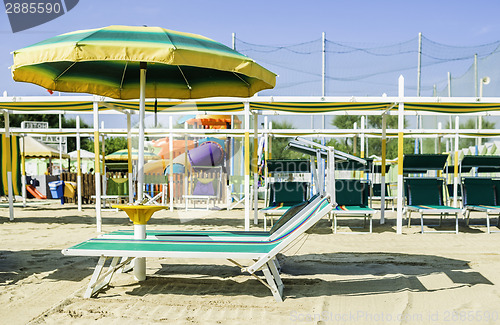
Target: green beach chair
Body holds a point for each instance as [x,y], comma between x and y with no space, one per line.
[261,254]
[425,196]
[351,196]
[479,195]
[282,196]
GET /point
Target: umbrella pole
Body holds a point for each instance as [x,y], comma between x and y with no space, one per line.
[97,166]
[140,232]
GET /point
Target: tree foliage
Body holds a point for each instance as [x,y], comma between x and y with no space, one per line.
[472,124]
[374,145]
[111,144]
[279,144]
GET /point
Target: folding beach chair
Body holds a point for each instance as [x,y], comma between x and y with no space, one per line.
[260,253]
[479,195]
[351,196]
[376,194]
[282,196]
[206,187]
[425,196]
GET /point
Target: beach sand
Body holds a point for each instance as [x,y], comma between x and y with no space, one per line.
[379,278]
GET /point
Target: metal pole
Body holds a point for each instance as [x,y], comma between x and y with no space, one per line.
[140,230]
[247,165]
[103,166]
[323,64]
[362,146]
[129,159]
[255,169]
[142,113]
[475,74]
[323,79]
[382,177]
[234,41]
[418,141]
[171,157]
[97,167]
[7,145]
[401,94]
[448,142]
[419,64]
[60,147]
[78,166]
[455,169]
[23,173]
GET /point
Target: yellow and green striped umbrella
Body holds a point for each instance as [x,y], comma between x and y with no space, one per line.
[106,62]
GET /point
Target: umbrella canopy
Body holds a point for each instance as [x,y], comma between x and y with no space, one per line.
[36,149]
[106,62]
[84,154]
[122,155]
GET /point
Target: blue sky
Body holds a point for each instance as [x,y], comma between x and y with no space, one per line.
[269,22]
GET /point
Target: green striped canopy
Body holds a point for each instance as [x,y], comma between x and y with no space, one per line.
[106,62]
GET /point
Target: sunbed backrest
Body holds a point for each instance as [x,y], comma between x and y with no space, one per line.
[424,191]
[479,191]
[287,193]
[289,222]
[351,192]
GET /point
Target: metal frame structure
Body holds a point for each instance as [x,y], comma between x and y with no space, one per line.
[388,106]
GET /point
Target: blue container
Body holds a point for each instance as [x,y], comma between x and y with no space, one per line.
[57,190]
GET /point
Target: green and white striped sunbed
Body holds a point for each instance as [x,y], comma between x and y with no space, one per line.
[285,224]
[425,196]
[261,254]
[479,195]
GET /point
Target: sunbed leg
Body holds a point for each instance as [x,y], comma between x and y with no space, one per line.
[409,219]
[456,223]
[274,282]
[95,276]
[422,222]
[127,267]
[334,223]
[488,223]
[371,224]
[277,263]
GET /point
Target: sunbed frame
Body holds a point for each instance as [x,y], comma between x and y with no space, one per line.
[262,254]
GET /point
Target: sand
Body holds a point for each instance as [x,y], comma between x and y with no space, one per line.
[379,278]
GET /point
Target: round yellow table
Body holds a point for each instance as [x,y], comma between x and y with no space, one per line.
[139,215]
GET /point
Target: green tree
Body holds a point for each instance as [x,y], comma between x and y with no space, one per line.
[111,144]
[472,124]
[279,144]
[374,144]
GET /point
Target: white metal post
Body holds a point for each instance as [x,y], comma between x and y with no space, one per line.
[247,165]
[142,113]
[401,94]
[171,155]
[23,172]
[255,169]
[382,176]
[78,166]
[140,262]
[455,169]
[129,160]
[97,167]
